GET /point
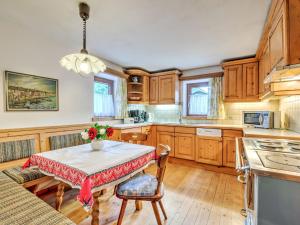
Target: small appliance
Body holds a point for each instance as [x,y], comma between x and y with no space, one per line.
[140,116]
[128,120]
[261,119]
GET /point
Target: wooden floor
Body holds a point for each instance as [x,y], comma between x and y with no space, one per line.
[192,196]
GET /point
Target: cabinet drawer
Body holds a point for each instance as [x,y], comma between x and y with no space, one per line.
[185,130]
[232,133]
[165,128]
[136,129]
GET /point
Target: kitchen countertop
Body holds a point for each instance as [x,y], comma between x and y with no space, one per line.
[271,133]
[220,126]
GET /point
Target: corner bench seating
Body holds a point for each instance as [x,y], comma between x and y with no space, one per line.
[20,207]
[16,152]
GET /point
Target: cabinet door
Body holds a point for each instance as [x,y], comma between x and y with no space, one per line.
[166,89]
[278,41]
[185,146]
[151,135]
[153,93]
[209,151]
[166,138]
[233,82]
[145,89]
[250,81]
[229,151]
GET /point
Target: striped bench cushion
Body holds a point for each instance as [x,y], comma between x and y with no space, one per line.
[64,141]
[13,150]
[20,207]
[24,176]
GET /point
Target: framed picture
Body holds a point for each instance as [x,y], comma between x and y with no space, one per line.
[25,92]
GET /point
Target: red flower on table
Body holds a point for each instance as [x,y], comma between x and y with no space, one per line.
[92,133]
[109,132]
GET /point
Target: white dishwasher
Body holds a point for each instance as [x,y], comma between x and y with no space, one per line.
[209,132]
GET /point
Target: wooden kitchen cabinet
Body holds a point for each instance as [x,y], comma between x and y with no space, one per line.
[229,145]
[164,87]
[167,89]
[233,82]
[241,80]
[153,95]
[209,150]
[185,146]
[166,138]
[250,81]
[151,135]
[264,70]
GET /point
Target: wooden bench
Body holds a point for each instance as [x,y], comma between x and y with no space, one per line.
[19,206]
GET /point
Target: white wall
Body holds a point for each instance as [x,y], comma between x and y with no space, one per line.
[25,52]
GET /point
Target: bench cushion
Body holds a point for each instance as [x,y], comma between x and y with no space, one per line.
[139,185]
[13,150]
[19,207]
[24,176]
[64,141]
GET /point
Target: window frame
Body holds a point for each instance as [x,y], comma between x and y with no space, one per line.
[111,91]
[189,87]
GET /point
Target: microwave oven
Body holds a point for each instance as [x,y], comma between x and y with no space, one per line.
[261,119]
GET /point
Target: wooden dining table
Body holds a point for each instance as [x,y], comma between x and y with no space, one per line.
[91,171]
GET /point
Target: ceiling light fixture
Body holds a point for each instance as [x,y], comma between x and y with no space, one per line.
[83,63]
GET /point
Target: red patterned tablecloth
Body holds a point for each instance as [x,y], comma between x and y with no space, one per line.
[91,171]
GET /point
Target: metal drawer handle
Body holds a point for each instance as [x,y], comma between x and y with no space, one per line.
[241,179]
[243,212]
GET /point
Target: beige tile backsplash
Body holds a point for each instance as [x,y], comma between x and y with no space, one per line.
[233,111]
[290,112]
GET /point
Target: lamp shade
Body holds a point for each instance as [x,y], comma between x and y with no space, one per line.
[83,63]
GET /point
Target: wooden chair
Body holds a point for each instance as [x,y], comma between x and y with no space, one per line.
[145,187]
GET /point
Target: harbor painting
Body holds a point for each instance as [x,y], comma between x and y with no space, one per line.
[26,92]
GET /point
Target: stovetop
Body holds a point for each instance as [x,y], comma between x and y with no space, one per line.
[274,145]
[276,153]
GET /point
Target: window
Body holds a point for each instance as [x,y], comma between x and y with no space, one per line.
[197,99]
[103,97]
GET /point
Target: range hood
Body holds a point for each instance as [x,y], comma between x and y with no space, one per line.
[284,74]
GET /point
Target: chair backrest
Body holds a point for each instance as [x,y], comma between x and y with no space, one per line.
[18,149]
[134,137]
[162,164]
[64,141]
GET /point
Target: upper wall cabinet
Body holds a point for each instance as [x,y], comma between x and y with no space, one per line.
[164,87]
[137,86]
[281,34]
[241,80]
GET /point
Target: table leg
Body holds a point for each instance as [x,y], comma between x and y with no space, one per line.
[59,195]
[95,209]
[138,205]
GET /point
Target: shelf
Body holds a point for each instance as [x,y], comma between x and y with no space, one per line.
[135,92]
[135,83]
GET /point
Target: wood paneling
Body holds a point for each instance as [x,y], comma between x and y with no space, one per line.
[185,146]
[209,150]
[153,92]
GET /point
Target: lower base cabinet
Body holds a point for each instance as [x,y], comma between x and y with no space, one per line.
[209,150]
[166,138]
[185,146]
[229,151]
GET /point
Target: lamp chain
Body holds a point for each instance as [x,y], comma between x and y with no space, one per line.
[84,34]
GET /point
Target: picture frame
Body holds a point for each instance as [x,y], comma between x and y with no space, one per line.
[27,92]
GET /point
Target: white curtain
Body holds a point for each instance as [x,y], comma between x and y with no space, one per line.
[103,105]
[198,104]
[216,105]
[120,98]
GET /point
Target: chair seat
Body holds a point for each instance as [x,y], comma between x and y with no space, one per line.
[23,176]
[140,185]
